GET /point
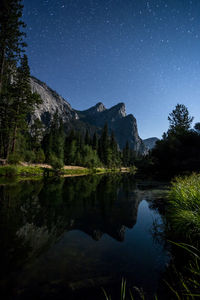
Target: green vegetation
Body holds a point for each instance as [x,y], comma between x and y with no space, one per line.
[32,171]
[186,278]
[183,208]
[182,230]
[177,153]
[17,170]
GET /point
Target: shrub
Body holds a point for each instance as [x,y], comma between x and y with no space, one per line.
[29,156]
[13,158]
[8,171]
[56,163]
[40,157]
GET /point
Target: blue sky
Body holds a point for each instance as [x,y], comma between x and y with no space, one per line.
[143,53]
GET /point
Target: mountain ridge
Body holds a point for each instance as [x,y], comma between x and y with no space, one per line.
[92,119]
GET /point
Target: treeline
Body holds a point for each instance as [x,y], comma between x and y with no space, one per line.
[177,152]
[55,147]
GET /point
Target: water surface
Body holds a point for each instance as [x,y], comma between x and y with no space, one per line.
[67,238]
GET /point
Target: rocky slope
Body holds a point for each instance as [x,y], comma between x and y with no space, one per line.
[124,126]
[52,102]
[150,142]
[93,119]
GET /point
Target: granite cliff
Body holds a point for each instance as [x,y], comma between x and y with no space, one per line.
[93,119]
[150,142]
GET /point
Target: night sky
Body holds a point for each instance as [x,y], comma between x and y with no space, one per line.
[143,53]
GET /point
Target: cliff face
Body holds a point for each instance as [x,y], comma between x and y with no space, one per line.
[52,102]
[150,142]
[94,118]
[124,126]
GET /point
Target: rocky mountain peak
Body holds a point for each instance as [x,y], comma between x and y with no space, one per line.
[124,126]
[100,107]
[119,110]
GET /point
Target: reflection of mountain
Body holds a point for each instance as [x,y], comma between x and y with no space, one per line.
[95,211]
[111,219]
[43,245]
[40,212]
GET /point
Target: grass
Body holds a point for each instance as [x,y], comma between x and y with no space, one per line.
[187,284]
[183,224]
[17,170]
[183,207]
[127,294]
[26,171]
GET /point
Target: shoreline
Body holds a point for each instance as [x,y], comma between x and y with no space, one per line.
[24,170]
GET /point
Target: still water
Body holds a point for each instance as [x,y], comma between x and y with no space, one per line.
[68,238]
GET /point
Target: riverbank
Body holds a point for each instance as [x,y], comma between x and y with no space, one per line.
[25,170]
[181,215]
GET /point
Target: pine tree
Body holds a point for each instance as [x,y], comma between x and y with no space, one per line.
[11,38]
[126,155]
[56,140]
[24,101]
[179,119]
[115,155]
[95,142]
[87,138]
[16,99]
[103,147]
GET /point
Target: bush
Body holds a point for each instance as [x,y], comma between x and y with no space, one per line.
[55,162]
[8,171]
[13,158]
[40,157]
[29,156]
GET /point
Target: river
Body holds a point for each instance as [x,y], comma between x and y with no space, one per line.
[69,238]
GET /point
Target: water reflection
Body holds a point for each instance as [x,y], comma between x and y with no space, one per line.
[49,233]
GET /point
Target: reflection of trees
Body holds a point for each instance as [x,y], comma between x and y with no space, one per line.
[34,214]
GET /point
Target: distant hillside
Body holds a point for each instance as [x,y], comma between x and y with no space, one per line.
[150,142]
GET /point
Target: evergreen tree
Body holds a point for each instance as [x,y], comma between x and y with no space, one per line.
[11,38]
[54,141]
[103,147]
[126,155]
[16,99]
[95,142]
[178,150]
[197,127]
[179,119]
[87,138]
[24,101]
[36,133]
[115,154]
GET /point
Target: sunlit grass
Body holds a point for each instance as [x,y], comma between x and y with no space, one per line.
[183,212]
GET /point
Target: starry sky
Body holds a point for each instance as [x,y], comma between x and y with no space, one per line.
[143,53]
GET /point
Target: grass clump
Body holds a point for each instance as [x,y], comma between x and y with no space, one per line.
[76,171]
[18,170]
[8,171]
[183,212]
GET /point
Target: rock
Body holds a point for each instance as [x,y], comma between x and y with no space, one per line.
[150,142]
[3,162]
[52,102]
[92,119]
[124,126]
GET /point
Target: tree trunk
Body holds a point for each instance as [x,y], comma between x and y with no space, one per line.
[14,140]
[2,62]
[15,132]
